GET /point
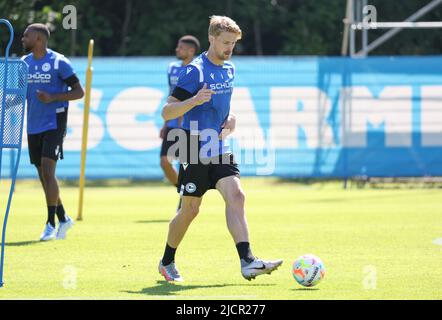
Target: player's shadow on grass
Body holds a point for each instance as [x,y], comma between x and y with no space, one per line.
[22,243]
[152,221]
[165,288]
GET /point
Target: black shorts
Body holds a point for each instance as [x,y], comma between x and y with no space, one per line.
[168,143]
[48,144]
[195,179]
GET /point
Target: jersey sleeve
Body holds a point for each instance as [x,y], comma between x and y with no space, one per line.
[65,69]
[190,80]
[169,70]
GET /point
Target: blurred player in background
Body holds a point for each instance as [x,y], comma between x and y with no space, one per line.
[50,76]
[186,49]
[202,96]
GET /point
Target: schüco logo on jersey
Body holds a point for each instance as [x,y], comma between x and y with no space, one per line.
[221,85]
[39,76]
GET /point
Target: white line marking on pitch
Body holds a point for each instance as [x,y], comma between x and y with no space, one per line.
[438,241]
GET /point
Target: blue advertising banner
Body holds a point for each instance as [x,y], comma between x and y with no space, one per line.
[297,117]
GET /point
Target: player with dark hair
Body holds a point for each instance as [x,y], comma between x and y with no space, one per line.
[50,76]
[187,47]
[202,96]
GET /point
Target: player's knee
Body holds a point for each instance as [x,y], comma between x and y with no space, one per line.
[47,171]
[190,211]
[193,212]
[237,198]
[47,176]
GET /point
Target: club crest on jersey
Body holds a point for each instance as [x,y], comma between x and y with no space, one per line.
[46,67]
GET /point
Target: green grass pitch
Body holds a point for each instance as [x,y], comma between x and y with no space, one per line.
[375,243]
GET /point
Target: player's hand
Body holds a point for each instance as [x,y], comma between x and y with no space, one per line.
[203,95]
[163,132]
[44,97]
[228,126]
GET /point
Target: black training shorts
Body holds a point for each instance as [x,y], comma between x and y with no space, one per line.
[168,143]
[195,179]
[48,144]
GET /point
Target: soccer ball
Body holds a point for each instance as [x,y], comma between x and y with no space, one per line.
[308,270]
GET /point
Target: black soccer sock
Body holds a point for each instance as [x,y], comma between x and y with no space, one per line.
[244,251]
[51,215]
[169,255]
[61,214]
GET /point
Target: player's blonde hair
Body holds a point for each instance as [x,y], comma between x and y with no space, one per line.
[220,24]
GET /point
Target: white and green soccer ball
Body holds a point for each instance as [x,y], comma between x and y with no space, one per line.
[308,270]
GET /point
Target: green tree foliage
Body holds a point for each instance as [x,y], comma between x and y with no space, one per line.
[270,27]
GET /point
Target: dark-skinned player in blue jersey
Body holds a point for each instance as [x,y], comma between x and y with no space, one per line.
[187,48]
[50,77]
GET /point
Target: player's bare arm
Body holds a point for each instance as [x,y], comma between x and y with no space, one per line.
[175,108]
[75,93]
[228,126]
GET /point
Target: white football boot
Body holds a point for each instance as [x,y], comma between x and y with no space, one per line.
[48,233]
[170,272]
[63,227]
[258,267]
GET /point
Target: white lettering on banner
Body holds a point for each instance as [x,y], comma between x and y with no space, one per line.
[122,123]
[393,108]
[248,132]
[75,124]
[251,147]
[431,116]
[306,108]
[130,118]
